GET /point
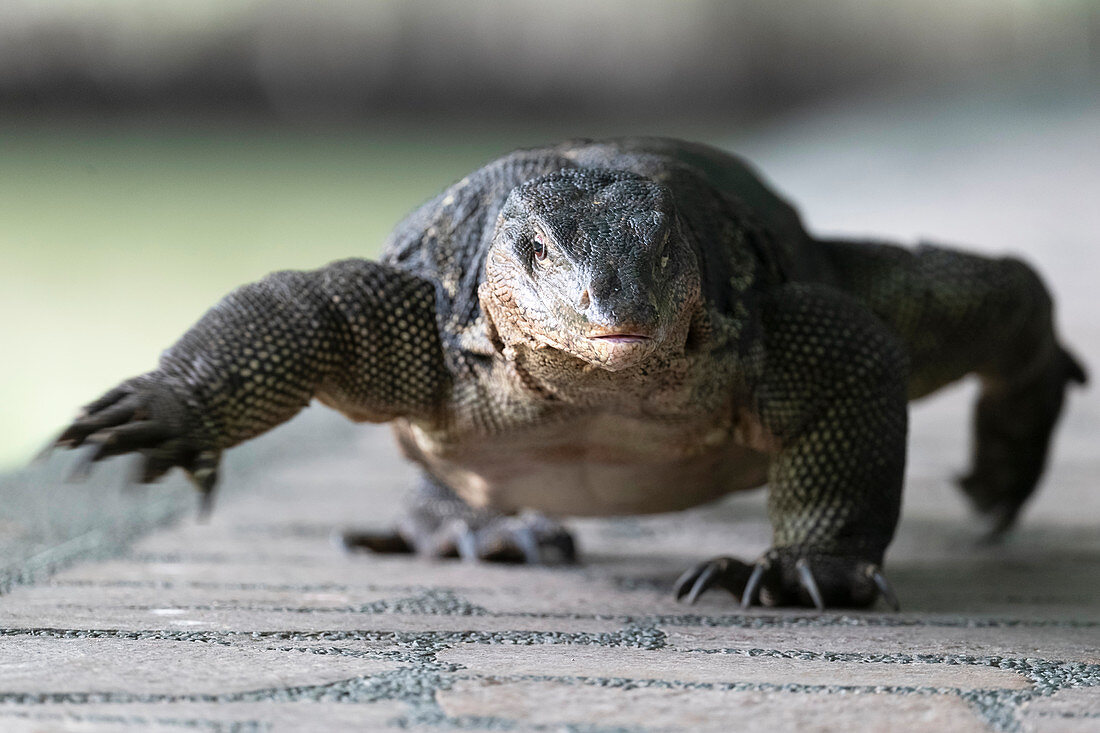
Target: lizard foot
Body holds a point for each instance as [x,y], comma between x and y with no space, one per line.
[782,577]
[148,416]
[1013,428]
[527,538]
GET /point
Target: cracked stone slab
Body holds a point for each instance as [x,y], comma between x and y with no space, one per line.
[330,567]
[569,593]
[109,667]
[186,596]
[226,543]
[240,717]
[691,667]
[1066,711]
[554,704]
[31,616]
[1047,642]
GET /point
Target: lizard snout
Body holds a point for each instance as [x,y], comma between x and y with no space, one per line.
[618,308]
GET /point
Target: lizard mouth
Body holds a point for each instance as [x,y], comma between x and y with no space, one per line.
[622,338]
[614,349]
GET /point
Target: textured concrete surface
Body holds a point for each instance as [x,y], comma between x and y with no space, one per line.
[256,622]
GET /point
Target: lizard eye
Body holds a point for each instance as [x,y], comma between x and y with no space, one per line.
[538,246]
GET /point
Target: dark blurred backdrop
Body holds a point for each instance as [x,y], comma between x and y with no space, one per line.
[315,61]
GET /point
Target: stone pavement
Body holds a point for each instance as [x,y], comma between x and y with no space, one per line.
[255,621]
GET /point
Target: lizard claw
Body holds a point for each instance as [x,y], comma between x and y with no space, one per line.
[806,578]
[531,539]
[752,587]
[525,539]
[687,580]
[465,541]
[702,583]
[884,587]
[721,571]
[790,577]
[204,475]
[144,415]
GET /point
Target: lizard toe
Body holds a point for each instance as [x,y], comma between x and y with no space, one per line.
[823,580]
[528,538]
[720,572]
[785,577]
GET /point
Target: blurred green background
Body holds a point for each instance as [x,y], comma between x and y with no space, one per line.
[114,241]
[154,155]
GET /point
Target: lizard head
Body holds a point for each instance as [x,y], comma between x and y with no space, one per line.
[593,263]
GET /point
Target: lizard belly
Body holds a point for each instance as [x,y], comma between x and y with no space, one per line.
[595,467]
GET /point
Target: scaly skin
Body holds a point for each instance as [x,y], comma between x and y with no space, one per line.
[624,326]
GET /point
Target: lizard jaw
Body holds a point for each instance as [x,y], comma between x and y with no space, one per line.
[616,351]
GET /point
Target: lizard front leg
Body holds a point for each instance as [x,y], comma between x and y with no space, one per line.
[829,382]
[358,335]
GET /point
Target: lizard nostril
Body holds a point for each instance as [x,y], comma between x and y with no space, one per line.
[585,300]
